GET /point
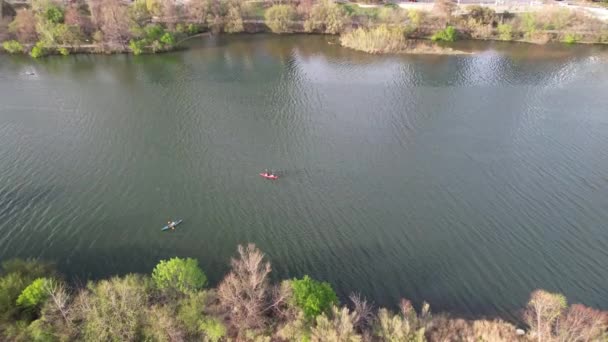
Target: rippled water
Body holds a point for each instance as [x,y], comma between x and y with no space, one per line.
[466,181]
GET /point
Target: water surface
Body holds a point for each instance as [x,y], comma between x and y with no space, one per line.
[466,181]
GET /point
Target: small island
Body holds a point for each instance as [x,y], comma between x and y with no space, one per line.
[43,27]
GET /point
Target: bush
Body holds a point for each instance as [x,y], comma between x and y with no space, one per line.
[376,40]
[137,46]
[326,17]
[180,275]
[63,51]
[482,15]
[233,21]
[338,328]
[38,50]
[213,329]
[168,39]
[279,18]
[446,35]
[570,38]
[416,17]
[12,46]
[54,14]
[313,297]
[34,295]
[154,32]
[505,32]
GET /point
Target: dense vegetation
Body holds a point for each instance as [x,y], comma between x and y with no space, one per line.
[51,26]
[174,304]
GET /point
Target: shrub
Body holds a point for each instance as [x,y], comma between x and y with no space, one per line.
[54,14]
[446,35]
[180,275]
[213,329]
[570,38]
[375,40]
[482,15]
[505,32]
[137,46]
[529,24]
[279,18]
[233,21]
[34,295]
[63,51]
[326,17]
[12,46]
[168,39]
[38,50]
[416,17]
[313,297]
[161,326]
[154,32]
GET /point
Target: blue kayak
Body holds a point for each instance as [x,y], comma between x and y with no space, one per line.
[175,223]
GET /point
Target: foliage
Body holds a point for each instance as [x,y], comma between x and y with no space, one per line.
[112,309]
[161,325]
[234,21]
[12,46]
[338,328]
[456,329]
[180,275]
[34,295]
[279,18]
[213,329]
[326,17]
[543,312]
[39,50]
[190,311]
[416,17]
[395,328]
[380,39]
[571,38]
[16,276]
[482,15]
[529,24]
[446,35]
[54,14]
[392,15]
[137,46]
[168,39]
[313,297]
[505,32]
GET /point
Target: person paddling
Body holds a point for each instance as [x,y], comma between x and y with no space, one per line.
[171,225]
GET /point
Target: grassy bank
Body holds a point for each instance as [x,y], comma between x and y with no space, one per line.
[149,26]
[174,303]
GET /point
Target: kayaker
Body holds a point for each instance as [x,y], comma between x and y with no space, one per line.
[171,225]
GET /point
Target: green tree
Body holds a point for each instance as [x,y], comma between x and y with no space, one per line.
[181,275]
[313,297]
[505,32]
[112,309]
[34,295]
[213,329]
[17,274]
[280,17]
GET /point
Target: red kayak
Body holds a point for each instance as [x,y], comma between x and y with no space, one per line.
[269,176]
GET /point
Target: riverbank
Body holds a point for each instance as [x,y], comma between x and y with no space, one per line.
[174,303]
[111,26]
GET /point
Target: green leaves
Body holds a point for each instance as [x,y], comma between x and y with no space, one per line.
[313,297]
[446,35]
[181,275]
[35,294]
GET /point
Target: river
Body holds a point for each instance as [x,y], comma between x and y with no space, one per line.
[466,181]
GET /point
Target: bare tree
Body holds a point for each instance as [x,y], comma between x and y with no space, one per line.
[114,22]
[582,324]
[445,8]
[244,292]
[24,26]
[542,312]
[364,312]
